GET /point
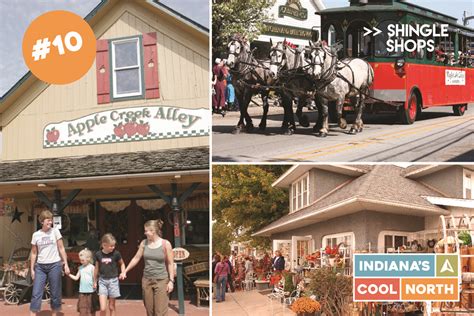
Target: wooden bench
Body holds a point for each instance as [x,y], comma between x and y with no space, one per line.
[202,290]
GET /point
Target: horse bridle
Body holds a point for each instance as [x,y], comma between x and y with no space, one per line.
[327,75]
[279,61]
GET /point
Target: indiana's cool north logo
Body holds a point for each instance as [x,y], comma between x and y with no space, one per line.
[406,277]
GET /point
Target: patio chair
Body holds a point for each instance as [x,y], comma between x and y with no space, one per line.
[21,254]
[294,295]
[278,294]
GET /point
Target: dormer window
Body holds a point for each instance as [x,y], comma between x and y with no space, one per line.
[299,193]
[468,184]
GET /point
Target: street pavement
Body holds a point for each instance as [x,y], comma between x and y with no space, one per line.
[249,303]
[438,136]
[123,308]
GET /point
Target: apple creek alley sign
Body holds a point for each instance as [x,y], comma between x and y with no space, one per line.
[128,125]
[406,277]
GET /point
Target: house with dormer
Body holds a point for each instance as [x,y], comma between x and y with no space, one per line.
[367,208]
[126,143]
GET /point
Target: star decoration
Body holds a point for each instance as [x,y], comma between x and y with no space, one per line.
[17,216]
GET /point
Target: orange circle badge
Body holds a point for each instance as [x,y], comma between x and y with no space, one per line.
[59,47]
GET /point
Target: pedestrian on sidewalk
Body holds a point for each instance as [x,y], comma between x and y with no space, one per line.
[222,270]
[158,272]
[230,276]
[47,259]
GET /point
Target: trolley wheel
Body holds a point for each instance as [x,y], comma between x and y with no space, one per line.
[46,293]
[460,109]
[12,294]
[408,114]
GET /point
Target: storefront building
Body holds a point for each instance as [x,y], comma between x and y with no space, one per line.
[378,209]
[126,143]
[291,20]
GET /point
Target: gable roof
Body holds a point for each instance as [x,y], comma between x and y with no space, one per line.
[418,171]
[101,8]
[285,180]
[384,188]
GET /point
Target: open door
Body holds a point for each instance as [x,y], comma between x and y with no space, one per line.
[301,246]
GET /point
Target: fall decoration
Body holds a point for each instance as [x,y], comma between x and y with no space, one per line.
[305,305]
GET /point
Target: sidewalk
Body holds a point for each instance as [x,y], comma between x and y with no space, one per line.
[249,303]
[124,307]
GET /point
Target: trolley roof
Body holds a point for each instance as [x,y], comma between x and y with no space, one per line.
[396,5]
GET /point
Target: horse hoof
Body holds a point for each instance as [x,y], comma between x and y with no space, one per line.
[236,130]
[249,128]
[322,134]
[304,121]
[262,127]
[289,131]
[352,131]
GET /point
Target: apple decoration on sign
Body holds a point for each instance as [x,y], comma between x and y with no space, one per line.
[52,135]
[130,128]
[119,131]
[143,128]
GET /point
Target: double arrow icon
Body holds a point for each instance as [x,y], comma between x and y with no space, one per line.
[369,31]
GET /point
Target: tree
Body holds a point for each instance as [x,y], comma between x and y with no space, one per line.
[222,236]
[231,17]
[244,200]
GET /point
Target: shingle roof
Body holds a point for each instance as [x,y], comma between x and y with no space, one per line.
[193,158]
[384,183]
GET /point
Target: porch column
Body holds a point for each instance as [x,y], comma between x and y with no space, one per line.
[175,203]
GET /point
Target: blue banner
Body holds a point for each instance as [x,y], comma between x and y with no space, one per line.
[394,265]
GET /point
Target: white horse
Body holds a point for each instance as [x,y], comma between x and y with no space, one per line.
[338,79]
[289,67]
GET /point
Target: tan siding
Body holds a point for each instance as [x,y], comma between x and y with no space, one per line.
[183,73]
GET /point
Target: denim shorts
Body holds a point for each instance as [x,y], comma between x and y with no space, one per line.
[109,287]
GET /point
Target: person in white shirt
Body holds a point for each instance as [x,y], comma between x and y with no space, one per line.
[47,250]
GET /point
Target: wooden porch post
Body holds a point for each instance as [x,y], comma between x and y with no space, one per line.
[175,203]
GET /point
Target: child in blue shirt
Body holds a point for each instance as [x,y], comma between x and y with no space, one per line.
[85,304]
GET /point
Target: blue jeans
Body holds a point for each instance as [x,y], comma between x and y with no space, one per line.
[220,288]
[51,272]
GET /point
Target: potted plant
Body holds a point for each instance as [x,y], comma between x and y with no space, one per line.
[331,252]
[305,306]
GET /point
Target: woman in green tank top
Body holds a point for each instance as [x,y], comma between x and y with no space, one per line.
[158,274]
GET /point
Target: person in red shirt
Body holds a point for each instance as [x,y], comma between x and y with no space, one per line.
[218,98]
[222,270]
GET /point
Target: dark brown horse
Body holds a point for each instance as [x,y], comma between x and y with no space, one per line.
[249,77]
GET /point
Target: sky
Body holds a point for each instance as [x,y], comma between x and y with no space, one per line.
[17,16]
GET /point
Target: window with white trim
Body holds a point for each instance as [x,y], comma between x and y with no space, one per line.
[299,193]
[348,239]
[468,185]
[126,68]
[392,240]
